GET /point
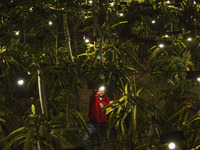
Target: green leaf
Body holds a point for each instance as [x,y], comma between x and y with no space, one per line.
[31,9]
[81,120]
[50,147]
[139,91]
[108,110]
[33,109]
[13,134]
[122,22]
[85,54]
[176,114]
[15,139]
[62,141]
[126,89]
[29,137]
[2,120]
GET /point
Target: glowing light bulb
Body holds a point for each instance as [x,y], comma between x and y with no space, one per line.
[102,88]
[161,45]
[198,79]
[112,4]
[189,39]
[153,21]
[171,145]
[90,2]
[166,35]
[195,2]
[168,2]
[121,14]
[87,40]
[50,23]
[20,82]
[17,33]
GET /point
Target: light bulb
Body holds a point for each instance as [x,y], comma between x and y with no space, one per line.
[161,45]
[166,35]
[189,39]
[102,88]
[153,21]
[121,14]
[17,33]
[50,23]
[87,40]
[171,145]
[112,4]
[20,82]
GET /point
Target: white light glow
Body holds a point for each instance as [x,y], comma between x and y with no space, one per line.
[189,39]
[195,2]
[171,145]
[102,88]
[90,2]
[166,35]
[20,82]
[50,23]
[17,33]
[112,4]
[121,14]
[161,45]
[198,79]
[153,21]
[87,40]
[168,2]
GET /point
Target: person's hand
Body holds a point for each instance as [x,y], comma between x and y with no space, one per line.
[112,104]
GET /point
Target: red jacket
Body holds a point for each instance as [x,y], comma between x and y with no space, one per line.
[96,107]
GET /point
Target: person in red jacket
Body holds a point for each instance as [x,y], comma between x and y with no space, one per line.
[98,119]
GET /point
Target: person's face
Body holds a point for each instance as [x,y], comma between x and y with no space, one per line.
[100,93]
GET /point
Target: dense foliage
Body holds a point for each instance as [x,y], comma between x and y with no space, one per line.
[142,50]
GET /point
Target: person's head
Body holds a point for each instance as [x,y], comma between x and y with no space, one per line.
[101,91]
